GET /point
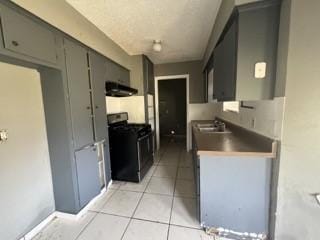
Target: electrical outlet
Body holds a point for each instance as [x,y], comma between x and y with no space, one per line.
[253,123]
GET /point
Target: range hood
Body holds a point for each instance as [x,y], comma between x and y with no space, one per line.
[117,90]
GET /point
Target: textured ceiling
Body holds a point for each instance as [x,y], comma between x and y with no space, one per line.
[183,26]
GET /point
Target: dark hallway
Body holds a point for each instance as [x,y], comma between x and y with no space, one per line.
[172,108]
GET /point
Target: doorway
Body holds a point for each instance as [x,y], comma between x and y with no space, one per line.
[172,108]
[25,173]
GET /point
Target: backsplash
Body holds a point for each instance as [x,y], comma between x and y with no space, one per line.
[266,118]
[133,105]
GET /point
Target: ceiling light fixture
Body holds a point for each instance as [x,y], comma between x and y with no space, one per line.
[157,45]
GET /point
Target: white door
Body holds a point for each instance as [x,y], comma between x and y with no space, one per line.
[26,195]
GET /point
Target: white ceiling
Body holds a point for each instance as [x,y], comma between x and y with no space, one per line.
[183,26]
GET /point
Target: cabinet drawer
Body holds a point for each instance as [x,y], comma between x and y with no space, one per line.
[24,36]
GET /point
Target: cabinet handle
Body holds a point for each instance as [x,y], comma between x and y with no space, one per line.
[88,107]
[15,43]
[97,107]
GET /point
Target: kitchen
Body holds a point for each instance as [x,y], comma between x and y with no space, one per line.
[251,174]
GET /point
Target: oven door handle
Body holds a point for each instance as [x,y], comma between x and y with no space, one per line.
[148,135]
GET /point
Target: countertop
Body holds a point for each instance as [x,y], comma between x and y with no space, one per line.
[238,142]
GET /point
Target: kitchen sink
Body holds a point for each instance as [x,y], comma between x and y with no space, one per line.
[211,128]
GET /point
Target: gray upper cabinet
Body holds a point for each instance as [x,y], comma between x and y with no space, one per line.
[148,74]
[113,72]
[79,94]
[124,76]
[88,175]
[257,42]
[225,65]
[250,37]
[118,74]
[98,78]
[23,35]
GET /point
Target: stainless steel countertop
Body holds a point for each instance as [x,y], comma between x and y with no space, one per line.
[239,142]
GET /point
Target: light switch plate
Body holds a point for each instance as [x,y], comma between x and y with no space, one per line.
[260,70]
[318,198]
[3,135]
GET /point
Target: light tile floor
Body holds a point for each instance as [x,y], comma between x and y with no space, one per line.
[161,207]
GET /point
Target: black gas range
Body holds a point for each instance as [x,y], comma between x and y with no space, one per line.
[131,148]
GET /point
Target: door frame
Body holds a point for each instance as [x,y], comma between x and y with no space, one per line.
[171,77]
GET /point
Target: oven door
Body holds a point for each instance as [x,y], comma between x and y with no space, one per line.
[145,150]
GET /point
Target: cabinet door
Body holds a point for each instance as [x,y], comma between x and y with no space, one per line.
[150,77]
[98,78]
[79,95]
[22,35]
[219,72]
[88,174]
[225,66]
[230,55]
[107,163]
[125,76]
[113,72]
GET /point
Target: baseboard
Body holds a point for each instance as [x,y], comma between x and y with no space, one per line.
[62,215]
[39,227]
[83,211]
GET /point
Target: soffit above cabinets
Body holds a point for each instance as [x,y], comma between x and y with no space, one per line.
[183,26]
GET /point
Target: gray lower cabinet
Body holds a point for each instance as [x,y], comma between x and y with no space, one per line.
[232,192]
[87,174]
[79,94]
[22,35]
[235,192]
[98,78]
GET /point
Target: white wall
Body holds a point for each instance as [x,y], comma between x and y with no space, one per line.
[201,111]
[298,213]
[134,105]
[25,176]
[267,116]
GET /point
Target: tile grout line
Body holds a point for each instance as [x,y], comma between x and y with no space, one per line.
[96,214]
[143,193]
[132,216]
[174,190]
